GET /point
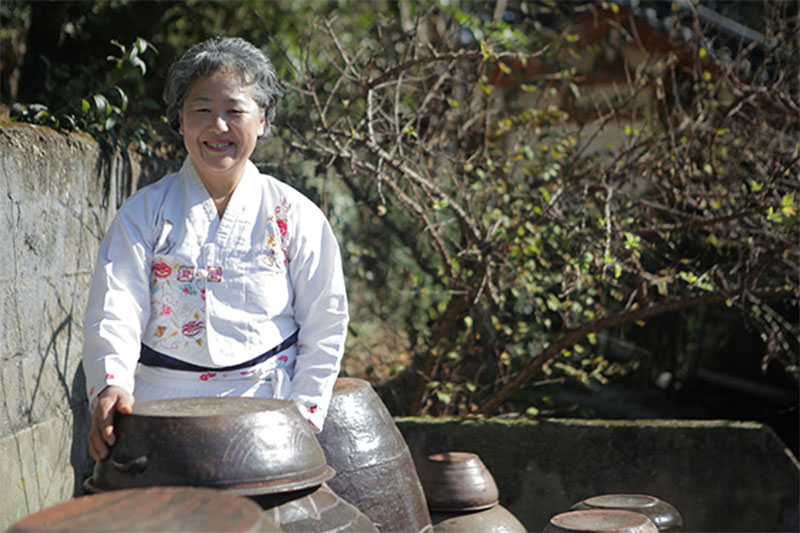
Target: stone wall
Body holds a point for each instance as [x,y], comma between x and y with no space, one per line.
[720,475]
[58,193]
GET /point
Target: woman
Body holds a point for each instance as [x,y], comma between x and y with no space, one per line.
[215,280]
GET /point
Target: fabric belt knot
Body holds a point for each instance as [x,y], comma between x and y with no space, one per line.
[150,357]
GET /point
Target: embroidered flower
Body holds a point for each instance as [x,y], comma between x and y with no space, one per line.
[312,409]
[214,274]
[109,376]
[188,289]
[284,229]
[160,331]
[185,273]
[165,309]
[193,328]
[161,270]
[207,376]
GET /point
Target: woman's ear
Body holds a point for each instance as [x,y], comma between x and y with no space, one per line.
[263,124]
[180,122]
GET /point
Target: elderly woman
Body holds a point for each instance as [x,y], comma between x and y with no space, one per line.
[216,280]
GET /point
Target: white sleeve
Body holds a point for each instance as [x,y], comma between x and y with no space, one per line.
[321,313]
[118,308]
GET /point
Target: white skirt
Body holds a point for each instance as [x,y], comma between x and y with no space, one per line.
[269,379]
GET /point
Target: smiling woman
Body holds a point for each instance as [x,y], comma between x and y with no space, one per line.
[216,280]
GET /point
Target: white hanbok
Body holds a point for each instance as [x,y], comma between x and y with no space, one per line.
[217,293]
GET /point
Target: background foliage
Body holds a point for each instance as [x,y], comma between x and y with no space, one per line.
[510,235]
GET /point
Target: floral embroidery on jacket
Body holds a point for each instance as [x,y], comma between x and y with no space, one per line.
[278,242]
[181,312]
[193,328]
[161,270]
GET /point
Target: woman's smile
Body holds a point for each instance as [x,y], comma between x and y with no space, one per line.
[219,145]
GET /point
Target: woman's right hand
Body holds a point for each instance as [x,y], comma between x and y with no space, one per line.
[101,434]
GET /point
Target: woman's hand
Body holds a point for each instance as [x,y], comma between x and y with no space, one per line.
[101,434]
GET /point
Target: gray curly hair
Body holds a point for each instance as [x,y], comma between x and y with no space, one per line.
[217,54]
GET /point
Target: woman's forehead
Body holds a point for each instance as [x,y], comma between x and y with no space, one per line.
[220,85]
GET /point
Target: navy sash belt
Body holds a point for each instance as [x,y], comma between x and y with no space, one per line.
[150,357]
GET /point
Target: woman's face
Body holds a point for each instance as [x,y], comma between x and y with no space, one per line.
[220,123]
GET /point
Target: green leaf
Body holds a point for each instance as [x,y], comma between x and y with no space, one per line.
[443,397]
[121,96]
[138,63]
[101,105]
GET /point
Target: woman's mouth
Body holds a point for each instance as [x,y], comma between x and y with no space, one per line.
[218,146]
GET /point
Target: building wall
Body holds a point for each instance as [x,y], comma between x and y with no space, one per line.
[58,193]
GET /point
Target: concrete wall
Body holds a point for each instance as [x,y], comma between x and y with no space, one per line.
[57,195]
[720,475]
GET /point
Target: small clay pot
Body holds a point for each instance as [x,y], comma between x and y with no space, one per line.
[457,481]
[600,521]
[662,514]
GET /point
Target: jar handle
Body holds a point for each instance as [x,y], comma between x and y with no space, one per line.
[134,466]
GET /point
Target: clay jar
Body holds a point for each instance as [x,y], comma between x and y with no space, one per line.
[374,468]
[242,445]
[314,510]
[600,521]
[457,481]
[662,514]
[173,509]
[462,495]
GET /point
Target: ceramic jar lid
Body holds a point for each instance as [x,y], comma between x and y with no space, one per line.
[662,514]
[600,521]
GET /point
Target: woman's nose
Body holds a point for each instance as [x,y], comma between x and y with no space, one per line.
[219,123]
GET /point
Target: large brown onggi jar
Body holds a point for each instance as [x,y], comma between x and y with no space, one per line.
[167,509]
[242,445]
[374,468]
[314,510]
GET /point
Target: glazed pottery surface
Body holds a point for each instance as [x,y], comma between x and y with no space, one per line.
[315,510]
[600,521]
[168,509]
[662,514]
[374,468]
[496,519]
[457,481]
[243,445]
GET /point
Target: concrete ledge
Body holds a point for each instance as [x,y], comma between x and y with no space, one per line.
[721,475]
[36,469]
